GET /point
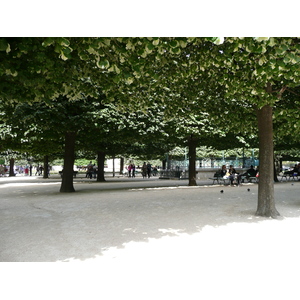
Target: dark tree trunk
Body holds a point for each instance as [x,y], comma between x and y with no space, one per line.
[121,165]
[275,174]
[266,202]
[164,164]
[114,167]
[11,167]
[46,166]
[67,177]
[100,160]
[192,160]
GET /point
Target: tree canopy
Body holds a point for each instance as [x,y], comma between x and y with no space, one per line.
[236,88]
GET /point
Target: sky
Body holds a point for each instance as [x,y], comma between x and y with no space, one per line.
[148,18]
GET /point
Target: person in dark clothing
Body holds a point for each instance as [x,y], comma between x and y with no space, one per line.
[249,173]
[223,171]
[149,170]
[232,174]
[144,170]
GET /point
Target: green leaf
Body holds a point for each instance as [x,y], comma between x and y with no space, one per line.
[150,46]
[66,53]
[114,68]
[262,60]
[64,42]
[155,41]
[175,50]
[183,43]
[48,42]
[4,45]
[281,63]
[174,44]
[219,40]
[116,79]
[281,50]
[260,39]
[286,59]
[136,68]
[272,42]
[103,64]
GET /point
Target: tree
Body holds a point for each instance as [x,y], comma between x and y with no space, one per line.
[242,74]
[45,127]
[257,72]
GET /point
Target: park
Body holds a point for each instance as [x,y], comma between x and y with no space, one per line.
[144,235]
[134,96]
[66,99]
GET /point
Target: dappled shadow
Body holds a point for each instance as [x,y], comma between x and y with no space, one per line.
[40,224]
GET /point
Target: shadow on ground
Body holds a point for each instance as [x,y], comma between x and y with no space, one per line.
[40,224]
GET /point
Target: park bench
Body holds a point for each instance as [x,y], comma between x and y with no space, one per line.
[223,181]
[249,179]
[74,173]
[289,176]
[168,174]
[218,179]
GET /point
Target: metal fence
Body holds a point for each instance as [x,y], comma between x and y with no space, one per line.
[213,163]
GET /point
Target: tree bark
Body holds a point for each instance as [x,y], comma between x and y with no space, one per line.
[192,161]
[46,166]
[275,173]
[67,176]
[100,160]
[121,165]
[11,167]
[114,167]
[164,164]
[266,201]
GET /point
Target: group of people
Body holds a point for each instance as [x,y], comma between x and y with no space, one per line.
[91,171]
[131,170]
[146,170]
[24,170]
[294,171]
[3,170]
[233,175]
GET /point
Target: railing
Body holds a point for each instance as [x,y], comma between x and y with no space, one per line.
[167,174]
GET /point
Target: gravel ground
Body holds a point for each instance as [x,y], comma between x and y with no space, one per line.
[146,239]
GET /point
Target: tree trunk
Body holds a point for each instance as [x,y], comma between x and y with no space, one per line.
[266,202]
[164,164]
[46,167]
[11,167]
[100,160]
[114,166]
[275,174]
[67,176]
[121,165]
[192,161]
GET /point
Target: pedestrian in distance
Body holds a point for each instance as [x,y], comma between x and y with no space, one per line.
[149,169]
[144,170]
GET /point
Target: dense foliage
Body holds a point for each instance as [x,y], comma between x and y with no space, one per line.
[200,91]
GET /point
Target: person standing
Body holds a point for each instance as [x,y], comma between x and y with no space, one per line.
[26,170]
[95,171]
[129,168]
[133,170]
[89,172]
[144,170]
[2,170]
[149,170]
